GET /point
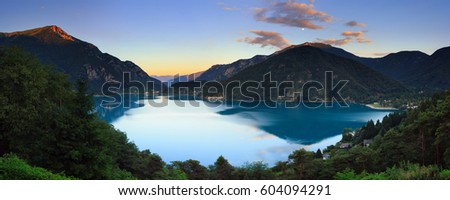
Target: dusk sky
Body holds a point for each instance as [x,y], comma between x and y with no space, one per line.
[168,37]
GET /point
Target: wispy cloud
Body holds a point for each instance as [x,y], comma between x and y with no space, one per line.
[227,8]
[380,54]
[359,36]
[291,13]
[353,34]
[354,23]
[363,40]
[266,38]
[336,42]
[349,36]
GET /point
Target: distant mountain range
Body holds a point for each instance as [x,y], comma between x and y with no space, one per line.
[302,63]
[163,78]
[77,58]
[414,69]
[432,72]
[184,78]
[226,71]
[172,79]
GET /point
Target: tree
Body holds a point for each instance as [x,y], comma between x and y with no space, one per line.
[222,169]
[302,162]
[254,171]
[318,154]
[192,168]
[147,166]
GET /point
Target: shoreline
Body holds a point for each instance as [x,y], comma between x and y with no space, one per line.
[380,108]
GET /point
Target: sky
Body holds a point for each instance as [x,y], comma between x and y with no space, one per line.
[180,37]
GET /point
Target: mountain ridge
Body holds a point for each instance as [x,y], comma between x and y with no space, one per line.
[77,58]
[407,67]
[304,63]
[221,72]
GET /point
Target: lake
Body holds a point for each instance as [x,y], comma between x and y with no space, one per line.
[239,134]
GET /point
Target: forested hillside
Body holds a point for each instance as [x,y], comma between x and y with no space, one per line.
[46,123]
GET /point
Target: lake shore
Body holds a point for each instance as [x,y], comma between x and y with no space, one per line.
[379,107]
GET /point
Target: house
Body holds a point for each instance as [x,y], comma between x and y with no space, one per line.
[345,146]
[367,142]
[216,99]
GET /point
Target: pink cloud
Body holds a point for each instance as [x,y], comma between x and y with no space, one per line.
[266,38]
[336,42]
[291,13]
[354,23]
[353,34]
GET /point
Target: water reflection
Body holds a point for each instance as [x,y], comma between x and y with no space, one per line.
[239,134]
[304,125]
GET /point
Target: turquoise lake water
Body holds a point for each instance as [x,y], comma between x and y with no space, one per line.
[239,134]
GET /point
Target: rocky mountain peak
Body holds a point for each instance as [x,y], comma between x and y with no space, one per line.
[60,32]
[46,33]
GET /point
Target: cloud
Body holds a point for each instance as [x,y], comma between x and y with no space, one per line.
[363,40]
[291,13]
[359,36]
[266,38]
[353,34]
[354,23]
[380,54]
[335,42]
[225,7]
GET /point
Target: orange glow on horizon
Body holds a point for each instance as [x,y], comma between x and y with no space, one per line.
[162,71]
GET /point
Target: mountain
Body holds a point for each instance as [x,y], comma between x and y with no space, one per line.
[172,79]
[433,72]
[395,65]
[79,59]
[302,63]
[327,48]
[223,72]
[163,78]
[413,68]
[399,65]
[184,78]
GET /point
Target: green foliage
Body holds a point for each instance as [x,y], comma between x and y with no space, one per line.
[254,171]
[148,165]
[347,174]
[192,168]
[301,161]
[172,174]
[420,138]
[50,125]
[413,172]
[350,174]
[12,167]
[357,158]
[423,136]
[445,174]
[406,171]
